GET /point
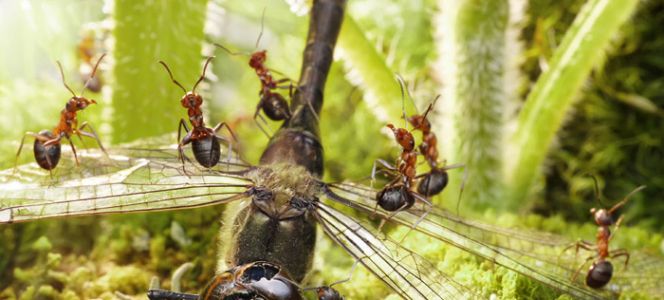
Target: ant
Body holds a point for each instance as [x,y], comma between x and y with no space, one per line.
[204,140]
[273,104]
[433,182]
[601,271]
[86,52]
[327,292]
[47,144]
[398,195]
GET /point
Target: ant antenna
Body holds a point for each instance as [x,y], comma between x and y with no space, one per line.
[62,74]
[202,75]
[229,51]
[171,76]
[430,107]
[92,75]
[598,193]
[262,27]
[624,200]
[403,97]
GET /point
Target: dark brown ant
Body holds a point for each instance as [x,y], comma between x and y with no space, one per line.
[47,144]
[204,141]
[601,271]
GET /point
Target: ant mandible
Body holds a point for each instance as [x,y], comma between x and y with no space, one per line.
[601,270]
[47,144]
[204,141]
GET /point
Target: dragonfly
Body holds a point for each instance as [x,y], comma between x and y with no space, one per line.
[149,177]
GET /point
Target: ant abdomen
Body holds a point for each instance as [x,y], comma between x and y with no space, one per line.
[275,107]
[433,182]
[206,151]
[599,274]
[47,157]
[328,293]
[396,197]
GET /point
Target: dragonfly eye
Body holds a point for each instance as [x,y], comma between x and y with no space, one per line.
[599,274]
[262,194]
[258,271]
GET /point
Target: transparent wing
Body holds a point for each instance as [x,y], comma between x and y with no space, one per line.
[129,179]
[404,271]
[540,256]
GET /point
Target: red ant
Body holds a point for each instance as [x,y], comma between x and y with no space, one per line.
[273,104]
[204,140]
[433,182]
[398,195]
[47,144]
[86,52]
[601,271]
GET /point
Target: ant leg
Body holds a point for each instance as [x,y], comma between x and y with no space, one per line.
[576,274]
[421,218]
[20,147]
[73,149]
[463,184]
[230,145]
[616,227]
[92,134]
[382,163]
[181,143]
[580,244]
[621,252]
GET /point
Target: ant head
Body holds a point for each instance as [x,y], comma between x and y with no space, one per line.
[602,216]
[191,100]
[403,137]
[258,59]
[419,122]
[78,103]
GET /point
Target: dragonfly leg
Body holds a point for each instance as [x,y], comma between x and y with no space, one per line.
[621,252]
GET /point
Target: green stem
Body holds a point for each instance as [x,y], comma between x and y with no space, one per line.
[369,70]
[553,94]
[145,102]
[474,74]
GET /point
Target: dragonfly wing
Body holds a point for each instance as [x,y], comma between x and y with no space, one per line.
[404,271]
[128,180]
[544,261]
